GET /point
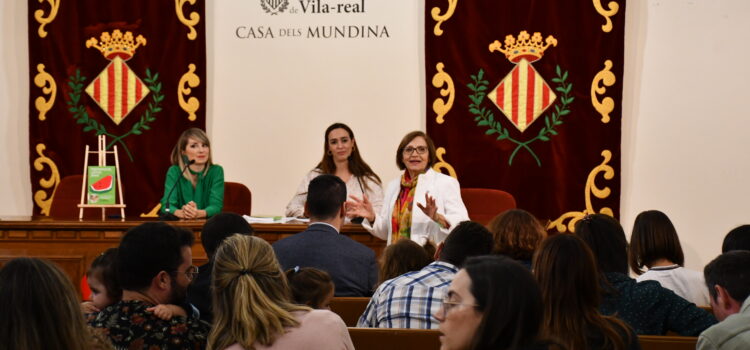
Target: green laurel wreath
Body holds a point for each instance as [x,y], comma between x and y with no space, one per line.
[82,116]
[485,117]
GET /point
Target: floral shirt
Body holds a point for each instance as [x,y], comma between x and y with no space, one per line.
[129,326]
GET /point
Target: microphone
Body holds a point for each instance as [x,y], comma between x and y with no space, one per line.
[166,215]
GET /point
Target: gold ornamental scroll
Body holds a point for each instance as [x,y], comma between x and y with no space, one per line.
[606,78]
[41,197]
[44,81]
[442,164]
[439,106]
[43,21]
[188,80]
[190,23]
[606,13]
[440,18]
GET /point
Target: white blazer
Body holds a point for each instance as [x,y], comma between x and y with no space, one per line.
[447,194]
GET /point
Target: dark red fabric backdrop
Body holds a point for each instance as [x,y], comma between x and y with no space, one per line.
[62,67]
[548,165]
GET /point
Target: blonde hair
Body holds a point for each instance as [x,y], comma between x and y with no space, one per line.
[251,297]
[182,142]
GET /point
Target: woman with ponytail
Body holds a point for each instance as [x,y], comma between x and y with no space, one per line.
[253,308]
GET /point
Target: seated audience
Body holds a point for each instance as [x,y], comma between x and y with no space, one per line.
[216,229]
[154,266]
[728,280]
[647,307]
[311,287]
[569,280]
[252,308]
[410,300]
[655,245]
[39,309]
[352,266]
[102,280]
[401,257]
[737,239]
[517,235]
[492,303]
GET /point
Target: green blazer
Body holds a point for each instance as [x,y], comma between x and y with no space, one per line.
[208,193]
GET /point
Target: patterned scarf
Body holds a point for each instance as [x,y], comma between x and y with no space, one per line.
[401,217]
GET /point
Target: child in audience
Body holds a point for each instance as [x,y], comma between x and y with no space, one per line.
[401,257]
[569,279]
[654,244]
[311,287]
[105,290]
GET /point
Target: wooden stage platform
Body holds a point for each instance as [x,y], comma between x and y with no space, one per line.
[73,244]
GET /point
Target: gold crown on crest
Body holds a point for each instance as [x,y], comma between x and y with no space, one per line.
[117,44]
[529,48]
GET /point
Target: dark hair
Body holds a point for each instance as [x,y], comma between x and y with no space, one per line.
[737,239]
[654,237]
[401,257]
[467,239]
[148,249]
[309,286]
[517,234]
[325,195]
[730,270]
[39,308]
[431,160]
[221,226]
[566,272]
[606,239]
[510,302]
[357,166]
[104,268]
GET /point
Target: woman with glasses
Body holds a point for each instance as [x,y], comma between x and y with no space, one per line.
[341,158]
[421,205]
[493,302]
[252,304]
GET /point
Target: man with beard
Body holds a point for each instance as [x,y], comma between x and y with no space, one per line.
[154,266]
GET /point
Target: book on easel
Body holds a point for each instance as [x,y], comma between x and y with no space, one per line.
[102,183]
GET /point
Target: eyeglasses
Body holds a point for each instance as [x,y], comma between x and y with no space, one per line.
[420,150]
[191,272]
[449,305]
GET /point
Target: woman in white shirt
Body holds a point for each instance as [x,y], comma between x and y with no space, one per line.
[439,206]
[654,244]
[341,158]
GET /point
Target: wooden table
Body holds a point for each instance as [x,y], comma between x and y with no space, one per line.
[74,244]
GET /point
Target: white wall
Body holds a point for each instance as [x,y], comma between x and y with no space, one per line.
[683,142]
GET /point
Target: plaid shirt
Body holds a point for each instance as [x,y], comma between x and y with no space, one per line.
[408,301]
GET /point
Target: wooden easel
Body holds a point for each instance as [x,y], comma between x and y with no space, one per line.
[102,161]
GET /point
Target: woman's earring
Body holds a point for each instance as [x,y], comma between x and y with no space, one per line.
[329,153]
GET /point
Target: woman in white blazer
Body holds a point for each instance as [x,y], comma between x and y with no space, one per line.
[439,206]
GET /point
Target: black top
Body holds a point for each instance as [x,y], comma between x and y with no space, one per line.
[199,292]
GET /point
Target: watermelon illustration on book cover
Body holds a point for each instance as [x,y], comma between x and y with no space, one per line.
[101,185]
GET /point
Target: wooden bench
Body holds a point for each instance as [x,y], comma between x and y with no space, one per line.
[417,339]
[667,342]
[395,339]
[349,308]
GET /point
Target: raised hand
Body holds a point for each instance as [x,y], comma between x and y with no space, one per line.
[430,207]
[360,207]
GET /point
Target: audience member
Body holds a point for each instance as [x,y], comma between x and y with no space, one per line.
[410,300]
[517,235]
[401,257]
[566,271]
[654,244]
[311,287]
[737,239]
[252,308]
[102,280]
[352,266]
[215,230]
[647,307]
[728,280]
[154,266]
[492,303]
[39,309]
